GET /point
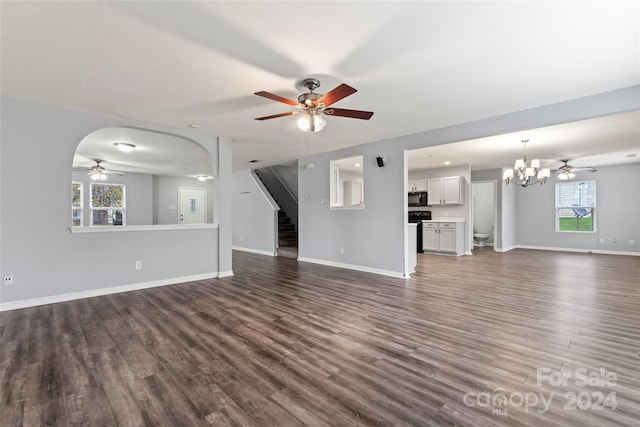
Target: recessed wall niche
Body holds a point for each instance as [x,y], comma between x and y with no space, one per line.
[346,183]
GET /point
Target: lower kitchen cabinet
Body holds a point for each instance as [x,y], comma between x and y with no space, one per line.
[445,237]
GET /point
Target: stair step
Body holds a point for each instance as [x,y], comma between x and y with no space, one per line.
[284,220]
[286,227]
[287,242]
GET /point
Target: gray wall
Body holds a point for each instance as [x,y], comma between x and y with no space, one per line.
[373,238]
[165,191]
[43,256]
[139,196]
[289,175]
[617,213]
[254,225]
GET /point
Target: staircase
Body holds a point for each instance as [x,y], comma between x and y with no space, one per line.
[287,236]
[287,233]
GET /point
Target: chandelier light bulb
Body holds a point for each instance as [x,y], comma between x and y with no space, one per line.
[519,164]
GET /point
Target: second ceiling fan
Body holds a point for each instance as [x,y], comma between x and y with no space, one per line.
[566,171]
[314,105]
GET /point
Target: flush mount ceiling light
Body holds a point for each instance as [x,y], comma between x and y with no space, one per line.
[314,105]
[202,177]
[124,146]
[526,174]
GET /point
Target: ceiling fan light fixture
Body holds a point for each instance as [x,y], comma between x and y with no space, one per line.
[566,175]
[311,121]
[98,176]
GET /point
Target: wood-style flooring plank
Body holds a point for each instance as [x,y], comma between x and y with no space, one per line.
[287,343]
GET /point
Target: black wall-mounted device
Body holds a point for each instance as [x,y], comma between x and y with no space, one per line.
[380,161]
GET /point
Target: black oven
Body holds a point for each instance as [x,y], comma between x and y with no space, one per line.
[417,198]
[417,217]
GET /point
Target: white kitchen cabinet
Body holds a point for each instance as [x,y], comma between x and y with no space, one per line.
[430,238]
[417,185]
[446,191]
[445,237]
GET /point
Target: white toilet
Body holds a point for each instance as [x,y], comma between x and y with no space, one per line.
[480,238]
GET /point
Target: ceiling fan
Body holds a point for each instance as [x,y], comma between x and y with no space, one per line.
[566,171]
[98,172]
[312,105]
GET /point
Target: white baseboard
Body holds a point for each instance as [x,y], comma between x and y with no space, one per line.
[586,251]
[32,302]
[354,267]
[225,274]
[507,249]
[255,251]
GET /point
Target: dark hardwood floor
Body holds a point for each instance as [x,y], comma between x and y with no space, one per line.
[284,343]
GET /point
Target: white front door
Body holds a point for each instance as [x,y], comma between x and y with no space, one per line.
[193,205]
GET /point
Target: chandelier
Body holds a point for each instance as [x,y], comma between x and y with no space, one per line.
[526,174]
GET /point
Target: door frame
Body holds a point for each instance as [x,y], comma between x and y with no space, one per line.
[495,209]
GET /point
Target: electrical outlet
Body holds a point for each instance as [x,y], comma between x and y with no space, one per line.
[138,265]
[632,242]
[241,238]
[341,251]
[602,240]
[614,241]
[8,279]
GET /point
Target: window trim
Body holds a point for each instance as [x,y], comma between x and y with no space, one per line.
[593,207]
[79,209]
[123,209]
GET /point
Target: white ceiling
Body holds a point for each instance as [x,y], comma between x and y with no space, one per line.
[154,153]
[417,65]
[601,141]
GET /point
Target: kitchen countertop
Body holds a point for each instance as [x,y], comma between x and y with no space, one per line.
[446,219]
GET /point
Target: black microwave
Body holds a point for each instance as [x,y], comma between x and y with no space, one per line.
[417,198]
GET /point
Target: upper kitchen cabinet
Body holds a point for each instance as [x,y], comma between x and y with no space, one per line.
[446,191]
[417,185]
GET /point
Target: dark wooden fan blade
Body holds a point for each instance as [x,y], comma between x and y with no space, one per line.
[274,116]
[353,114]
[336,94]
[275,97]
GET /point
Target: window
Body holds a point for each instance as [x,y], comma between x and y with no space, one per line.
[576,206]
[107,204]
[76,204]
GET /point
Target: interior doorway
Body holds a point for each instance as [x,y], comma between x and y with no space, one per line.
[484,215]
[192,204]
